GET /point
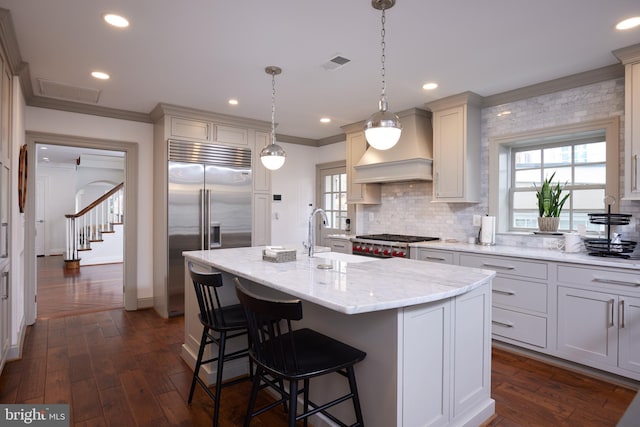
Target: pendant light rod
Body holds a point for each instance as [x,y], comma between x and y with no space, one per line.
[383,128]
[273,156]
[273,71]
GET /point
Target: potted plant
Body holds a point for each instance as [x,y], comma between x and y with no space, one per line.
[550,205]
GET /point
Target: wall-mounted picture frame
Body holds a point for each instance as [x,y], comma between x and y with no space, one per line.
[22,178]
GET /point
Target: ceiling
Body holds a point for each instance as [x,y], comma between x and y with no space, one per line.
[200,53]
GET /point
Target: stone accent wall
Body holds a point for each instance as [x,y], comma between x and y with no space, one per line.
[408,208]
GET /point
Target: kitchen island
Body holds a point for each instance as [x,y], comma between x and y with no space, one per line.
[425,328]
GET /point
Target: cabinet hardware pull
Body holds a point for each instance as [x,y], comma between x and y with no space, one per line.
[611,303]
[338,245]
[504,267]
[615,282]
[5,282]
[506,325]
[622,314]
[634,183]
[5,243]
[498,291]
[435,258]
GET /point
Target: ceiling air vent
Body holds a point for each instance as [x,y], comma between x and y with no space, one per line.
[335,63]
[57,90]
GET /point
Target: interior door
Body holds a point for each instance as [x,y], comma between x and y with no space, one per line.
[41,190]
[332,195]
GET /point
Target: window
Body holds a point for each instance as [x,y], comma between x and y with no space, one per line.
[579,167]
[334,199]
[584,156]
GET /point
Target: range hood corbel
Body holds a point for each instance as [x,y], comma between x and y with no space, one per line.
[409,160]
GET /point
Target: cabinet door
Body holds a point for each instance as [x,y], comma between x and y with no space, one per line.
[587,326]
[191,129]
[261,233]
[4,313]
[358,193]
[5,113]
[340,245]
[629,333]
[261,175]
[449,154]
[632,131]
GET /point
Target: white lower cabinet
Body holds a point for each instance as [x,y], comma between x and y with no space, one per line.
[587,326]
[341,245]
[582,313]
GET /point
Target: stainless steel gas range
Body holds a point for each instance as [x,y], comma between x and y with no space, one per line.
[386,245]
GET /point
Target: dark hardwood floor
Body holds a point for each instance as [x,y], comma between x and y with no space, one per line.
[92,288]
[119,368]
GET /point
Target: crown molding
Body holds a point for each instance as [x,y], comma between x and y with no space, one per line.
[176,110]
[95,110]
[628,54]
[9,40]
[610,72]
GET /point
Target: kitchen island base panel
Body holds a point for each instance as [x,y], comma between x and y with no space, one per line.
[412,375]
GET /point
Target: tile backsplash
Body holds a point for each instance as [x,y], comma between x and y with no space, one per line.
[408,207]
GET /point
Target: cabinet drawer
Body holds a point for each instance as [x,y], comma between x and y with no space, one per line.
[433,255]
[520,294]
[192,129]
[521,327]
[340,245]
[232,135]
[598,277]
[506,265]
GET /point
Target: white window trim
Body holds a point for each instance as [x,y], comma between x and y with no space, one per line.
[499,161]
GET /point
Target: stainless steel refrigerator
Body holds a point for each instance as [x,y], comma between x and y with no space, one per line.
[209,205]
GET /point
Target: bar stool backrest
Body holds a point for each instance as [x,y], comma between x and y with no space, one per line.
[270,329]
[206,286]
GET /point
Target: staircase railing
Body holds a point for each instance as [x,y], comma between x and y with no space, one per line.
[90,223]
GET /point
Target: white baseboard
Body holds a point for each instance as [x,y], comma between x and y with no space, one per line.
[145,303]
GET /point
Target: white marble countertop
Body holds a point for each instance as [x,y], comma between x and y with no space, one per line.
[354,284]
[532,253]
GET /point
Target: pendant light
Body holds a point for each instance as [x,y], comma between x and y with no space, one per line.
[273,156]
[383,128]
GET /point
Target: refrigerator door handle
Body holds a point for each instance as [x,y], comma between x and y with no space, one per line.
[202,218]
[208,219]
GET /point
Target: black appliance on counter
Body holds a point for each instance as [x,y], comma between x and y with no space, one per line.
[386,245]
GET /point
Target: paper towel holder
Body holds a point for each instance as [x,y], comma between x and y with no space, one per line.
[487,233]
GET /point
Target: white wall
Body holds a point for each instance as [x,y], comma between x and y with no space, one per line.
[82,125]
[295,181]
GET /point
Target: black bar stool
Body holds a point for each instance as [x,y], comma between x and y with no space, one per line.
[281,353]
[220,323]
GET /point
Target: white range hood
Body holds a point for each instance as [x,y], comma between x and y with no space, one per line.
[410,159]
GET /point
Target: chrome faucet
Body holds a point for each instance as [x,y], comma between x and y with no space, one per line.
[312,234]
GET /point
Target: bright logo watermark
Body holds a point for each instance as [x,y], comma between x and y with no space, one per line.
[38,415]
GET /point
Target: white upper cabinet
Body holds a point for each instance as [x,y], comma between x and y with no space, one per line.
[630,57]
[356,146]
[456,148]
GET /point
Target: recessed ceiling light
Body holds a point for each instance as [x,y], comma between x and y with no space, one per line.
[233,101]
[100,75]
[504,113]
[44,148]
[115,20]
[325,120]
[628,23]
[429,86]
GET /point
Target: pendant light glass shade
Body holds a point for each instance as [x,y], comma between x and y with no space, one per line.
[383,128]
[273,156]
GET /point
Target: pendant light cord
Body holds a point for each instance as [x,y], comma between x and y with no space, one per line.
[273,108]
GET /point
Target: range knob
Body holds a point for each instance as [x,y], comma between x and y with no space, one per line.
[356,248]
[386,252]
[394,253]
[400,254]
[376,251]
[367,249]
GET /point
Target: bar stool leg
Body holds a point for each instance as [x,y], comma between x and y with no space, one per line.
[293,400]
[196,371]
[356,400]
[254,394]
[216,404]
